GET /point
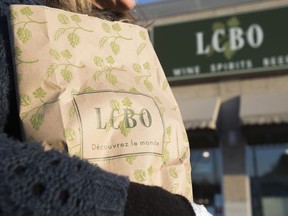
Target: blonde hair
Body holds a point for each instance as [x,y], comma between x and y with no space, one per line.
[87,7]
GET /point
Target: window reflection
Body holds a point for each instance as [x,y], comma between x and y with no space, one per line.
[267,166]
[206,179]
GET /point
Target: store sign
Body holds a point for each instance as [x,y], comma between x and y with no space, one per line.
[230,45]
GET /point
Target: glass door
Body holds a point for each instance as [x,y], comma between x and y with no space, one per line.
[268,171]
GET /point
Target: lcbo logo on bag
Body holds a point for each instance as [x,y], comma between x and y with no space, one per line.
[129,118]
[111,122]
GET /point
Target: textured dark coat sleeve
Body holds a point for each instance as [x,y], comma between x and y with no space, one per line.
[34,182]
[9,120]
[154,201]
[4,79]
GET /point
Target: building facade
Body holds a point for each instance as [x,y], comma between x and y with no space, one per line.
[228,69]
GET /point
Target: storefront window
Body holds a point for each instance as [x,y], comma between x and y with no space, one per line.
[206,178]
[267,166]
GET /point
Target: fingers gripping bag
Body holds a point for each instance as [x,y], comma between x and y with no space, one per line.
[98,87]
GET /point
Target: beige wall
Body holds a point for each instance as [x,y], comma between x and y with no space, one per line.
[227,89]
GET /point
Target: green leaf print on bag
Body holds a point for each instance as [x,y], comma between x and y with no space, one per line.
[127,102]
[23,33]
[150,171]
[165,156]
[88,89]
[173,172]
[114,35]
[26,11]
[166,153]
[174,188]
[121,111]
[17,55]
[185,137]
[188,192]
[124,129]
[185,150]
[165,85]
[25,100]
[14,15]
[39,93]
[62,18]
[142,46]
[140,175]
[37,118]
[143,35]
[70,134]
[146,69]
[71,27]
[130,159]
[106,67]
[116,106]
[189,179]
[184,153]
[72,111]
[65,65]
[67,75]
[158,100]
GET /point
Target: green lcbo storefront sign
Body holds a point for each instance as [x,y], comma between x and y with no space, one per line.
[230,45]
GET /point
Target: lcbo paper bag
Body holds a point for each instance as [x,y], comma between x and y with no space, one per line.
[98,86]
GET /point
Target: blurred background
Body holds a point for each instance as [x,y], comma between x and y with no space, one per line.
[227,64]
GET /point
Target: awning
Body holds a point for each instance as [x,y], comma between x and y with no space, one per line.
[199,113]
[268,108]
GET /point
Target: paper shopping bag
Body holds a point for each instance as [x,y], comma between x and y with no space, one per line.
[98,86]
